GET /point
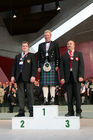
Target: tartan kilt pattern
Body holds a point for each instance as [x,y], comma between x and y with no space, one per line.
[49,78]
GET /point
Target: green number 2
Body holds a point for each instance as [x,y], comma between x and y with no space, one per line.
[67,123]
[43,111]
[22,123]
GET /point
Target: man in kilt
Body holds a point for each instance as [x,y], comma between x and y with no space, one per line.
[48,64]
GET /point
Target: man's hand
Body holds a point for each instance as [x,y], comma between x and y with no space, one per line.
[32,79]
[12,79]
[80,79]
[63,81]
[39,69]
[56,68]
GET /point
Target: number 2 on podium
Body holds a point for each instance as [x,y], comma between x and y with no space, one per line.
[22,123]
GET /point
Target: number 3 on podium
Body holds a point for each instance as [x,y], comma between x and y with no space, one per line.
[67,124]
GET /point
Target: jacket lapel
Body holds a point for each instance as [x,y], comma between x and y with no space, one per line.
[26,57]
[44,47]
[19,57]
[51,46]
[75,55]
[67,56]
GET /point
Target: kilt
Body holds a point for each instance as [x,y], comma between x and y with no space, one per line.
[49,78]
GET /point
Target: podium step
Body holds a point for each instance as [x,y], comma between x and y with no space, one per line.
[55,123]
[46,117]
[45,111]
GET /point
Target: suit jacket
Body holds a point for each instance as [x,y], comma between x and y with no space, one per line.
[29,67]
[77,66]
[53,53]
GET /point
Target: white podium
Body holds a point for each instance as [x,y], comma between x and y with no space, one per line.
[45,111]
[46,117]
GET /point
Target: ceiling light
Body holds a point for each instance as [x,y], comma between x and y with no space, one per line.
[58,8]
[14,16]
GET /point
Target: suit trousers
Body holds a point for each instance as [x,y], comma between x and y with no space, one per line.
[25,87]
[73,90]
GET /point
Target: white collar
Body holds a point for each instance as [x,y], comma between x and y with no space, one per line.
[23,54]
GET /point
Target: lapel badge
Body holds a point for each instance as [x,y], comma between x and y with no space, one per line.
[28,60]
[76,58]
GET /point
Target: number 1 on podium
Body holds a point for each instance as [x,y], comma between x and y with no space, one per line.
[44,113]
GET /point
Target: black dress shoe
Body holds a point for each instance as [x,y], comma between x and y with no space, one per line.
[69,114]
[52,103]
[10,111]
[20,115]
[31,115]
[78,115]
[45,102]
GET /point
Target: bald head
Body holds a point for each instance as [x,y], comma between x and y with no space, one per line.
[70,45]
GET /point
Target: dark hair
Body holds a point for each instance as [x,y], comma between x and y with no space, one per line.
[72,41]
[25,42]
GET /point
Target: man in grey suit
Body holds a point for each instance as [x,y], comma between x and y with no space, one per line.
[72,74]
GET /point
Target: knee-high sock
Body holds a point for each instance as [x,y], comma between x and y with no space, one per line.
[45,92]
[52,91]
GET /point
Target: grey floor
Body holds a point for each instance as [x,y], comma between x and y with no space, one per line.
[85,132]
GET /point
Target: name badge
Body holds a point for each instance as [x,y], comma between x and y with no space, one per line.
[70,69]
[21,63]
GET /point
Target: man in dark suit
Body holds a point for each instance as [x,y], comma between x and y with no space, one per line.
[24,72]
[72,74]
[48,64]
